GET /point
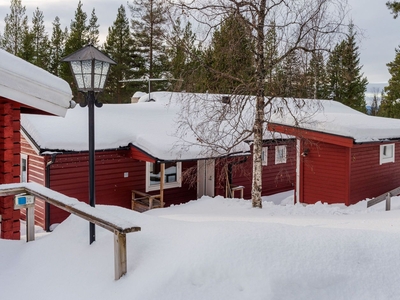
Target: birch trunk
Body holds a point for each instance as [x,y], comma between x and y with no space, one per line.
[259,114]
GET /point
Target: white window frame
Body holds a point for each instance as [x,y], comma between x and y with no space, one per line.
[264,156]
[386,153]
[24,157]
[167,185]
[280,158]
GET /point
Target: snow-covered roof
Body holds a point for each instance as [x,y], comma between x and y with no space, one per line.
[335,118]
[152,127]
[30,85]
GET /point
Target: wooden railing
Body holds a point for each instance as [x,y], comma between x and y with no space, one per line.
[118,226]
[142,202]
[386,196]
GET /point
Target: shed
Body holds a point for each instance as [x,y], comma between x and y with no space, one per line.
[343,156]
[23,88]
[132,140]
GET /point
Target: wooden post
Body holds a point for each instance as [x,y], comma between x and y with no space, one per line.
[30,223]
[120,263]
[162,179]
[388,198]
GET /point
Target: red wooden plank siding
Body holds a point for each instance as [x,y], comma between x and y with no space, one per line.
[9,165]
[368,178]
[324,174]
[276,178]
[35,173]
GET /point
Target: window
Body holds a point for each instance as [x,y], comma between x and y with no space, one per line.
[264,156]
[386,154]
[280,155]
[24,168]
[172,175]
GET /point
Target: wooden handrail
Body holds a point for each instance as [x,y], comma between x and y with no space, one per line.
[83,210]
[386,196]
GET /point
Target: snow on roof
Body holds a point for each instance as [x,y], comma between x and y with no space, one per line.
[151,127]
[32,86]
[332,117]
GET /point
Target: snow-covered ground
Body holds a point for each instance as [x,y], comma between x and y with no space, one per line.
[216,248]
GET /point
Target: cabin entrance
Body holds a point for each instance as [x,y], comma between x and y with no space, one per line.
[205,178]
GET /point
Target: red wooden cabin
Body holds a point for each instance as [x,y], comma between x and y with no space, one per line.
[130,147]
[23,88]
[344,156]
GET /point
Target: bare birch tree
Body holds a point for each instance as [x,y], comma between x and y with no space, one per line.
[301,26]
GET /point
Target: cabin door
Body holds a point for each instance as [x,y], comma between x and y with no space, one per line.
[205,178]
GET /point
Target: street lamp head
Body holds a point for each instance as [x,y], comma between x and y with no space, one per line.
[90,68]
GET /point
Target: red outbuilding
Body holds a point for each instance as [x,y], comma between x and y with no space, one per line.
[343,156]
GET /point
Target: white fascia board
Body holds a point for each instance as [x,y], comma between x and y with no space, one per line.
[30,85]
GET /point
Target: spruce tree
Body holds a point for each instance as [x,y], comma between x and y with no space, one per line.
[318,80]
[149,18]
[77,39]
[16,26]
[394,7]
[57,43]
[232,58]
[390,106]
[93,30]
[183,57]
[40,41]
[347,84]
[118,46]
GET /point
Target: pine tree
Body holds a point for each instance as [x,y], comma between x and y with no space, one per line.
[347,84]
[16,26]
[394,7]
[149,18]
[77,39]
[318,80]
[390,106]
[93,30]
[183,57]
[118,46]
[232,59]
[57,43]
[40,41]
[26,50]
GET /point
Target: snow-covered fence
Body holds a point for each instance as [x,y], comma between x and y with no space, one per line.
[103,219]
[386,196]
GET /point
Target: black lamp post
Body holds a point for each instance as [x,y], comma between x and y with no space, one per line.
[90,68]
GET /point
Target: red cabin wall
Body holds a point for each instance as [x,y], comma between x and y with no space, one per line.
[69,176]
[276,178]
[368,178]
[325,173]
[10,112]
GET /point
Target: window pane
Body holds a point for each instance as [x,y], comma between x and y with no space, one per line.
[170,174]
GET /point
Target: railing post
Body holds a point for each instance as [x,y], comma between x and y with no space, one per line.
[388,198]
[120,264]
[30,223]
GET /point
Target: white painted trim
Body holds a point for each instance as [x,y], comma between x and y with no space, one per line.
[298,157]
[167,185]
[30,142]
[384,157]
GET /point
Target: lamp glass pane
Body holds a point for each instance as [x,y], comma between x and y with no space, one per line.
[79,81]
[98,67]
[106,67]
[103,81]
[76,67]
[87,66]
[97,81]
[87,78]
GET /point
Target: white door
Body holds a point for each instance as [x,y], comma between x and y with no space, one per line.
[205,178]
